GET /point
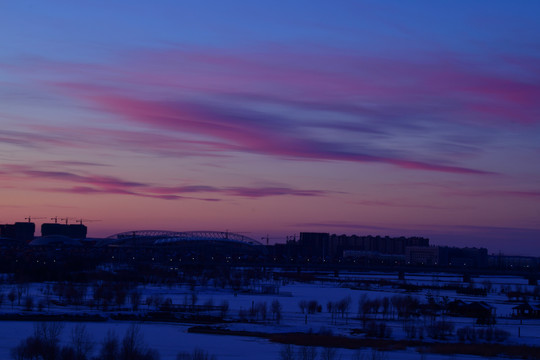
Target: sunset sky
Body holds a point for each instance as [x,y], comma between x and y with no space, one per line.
[275,117]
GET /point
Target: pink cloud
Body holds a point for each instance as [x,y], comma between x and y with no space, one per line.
[100,181]
[270,191]
[95,184]
[85,190]
[152,88]
[335,74]
[247,131]
[327,75]
[241,191]
[404,204]
[527,194]
[165,144]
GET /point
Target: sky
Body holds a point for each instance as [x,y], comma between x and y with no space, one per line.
[271,118]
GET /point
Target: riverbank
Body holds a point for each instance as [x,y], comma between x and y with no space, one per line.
[483,349]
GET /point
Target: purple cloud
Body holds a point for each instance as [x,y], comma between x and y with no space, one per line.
[380,97]
[270,191]
[527,194]
[328,226]
[405,205]
[95,184]
[248,132]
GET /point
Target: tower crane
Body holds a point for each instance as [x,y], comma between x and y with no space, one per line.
[80,221]
[29,218]
[268,238]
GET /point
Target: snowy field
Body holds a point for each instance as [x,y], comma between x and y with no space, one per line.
[169,339]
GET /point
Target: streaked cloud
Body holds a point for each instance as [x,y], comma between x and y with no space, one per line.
[88,184]
[369,118]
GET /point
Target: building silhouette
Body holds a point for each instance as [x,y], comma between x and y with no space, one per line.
[73,231]
[19,231]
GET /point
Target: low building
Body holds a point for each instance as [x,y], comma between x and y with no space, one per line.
[526,310]
[55,241]
[481,310]
[422,255]
[373,257]
[463,257]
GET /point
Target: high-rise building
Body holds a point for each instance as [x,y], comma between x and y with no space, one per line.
[20,231]
[74,231]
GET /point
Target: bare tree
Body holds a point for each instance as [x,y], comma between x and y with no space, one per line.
[21,289]
[224,308]
[287,352]
[276,310]
[302,304]
[197,354]
[313,306]
[157,300]
[12,296]
[385,306]
[109,347]
[135,299]
[440,330]
[332,309]
[133,346]
[194,298]
[343,306]
[377,355]
[487,285]
[148,301]
[209,304]
[48,293]
[329,353]
[361,305]
[307,353]
[120,296]
[260,308]
[131,343]
[43,344]
[373,355]
[81,342]
[28,303]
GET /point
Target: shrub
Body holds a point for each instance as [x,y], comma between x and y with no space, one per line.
[312,307]
[28,303]
[440,330]
[466,334]
[501,335]
[379,330]
[488,335]
[197,354]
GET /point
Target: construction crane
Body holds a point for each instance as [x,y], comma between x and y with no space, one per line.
[80,221]
[65,219]
[55,219]
[29,218]
[291,238]
[268,238]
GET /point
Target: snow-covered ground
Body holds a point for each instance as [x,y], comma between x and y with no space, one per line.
[169,339]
